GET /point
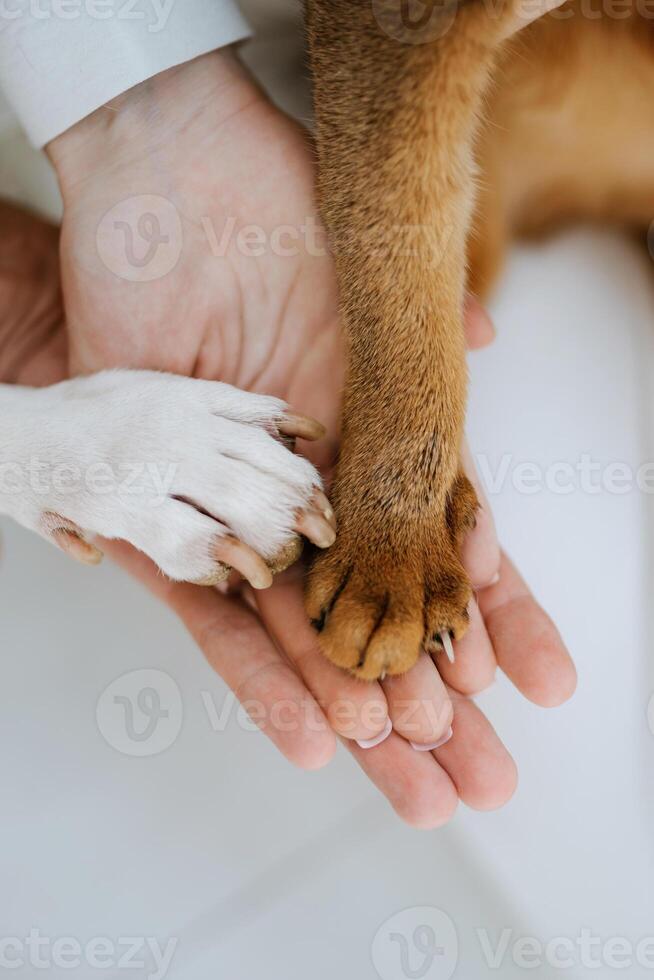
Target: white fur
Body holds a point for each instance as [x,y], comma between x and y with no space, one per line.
[111,452]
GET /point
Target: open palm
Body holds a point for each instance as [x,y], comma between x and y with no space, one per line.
[252,297]
[268,322]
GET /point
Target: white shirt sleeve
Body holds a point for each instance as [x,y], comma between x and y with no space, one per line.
[62,59]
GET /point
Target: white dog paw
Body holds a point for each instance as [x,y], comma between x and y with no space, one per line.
[196,474]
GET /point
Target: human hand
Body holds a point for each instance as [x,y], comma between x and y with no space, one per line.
[270,323]
[301,701]
[204,141]
[33,347]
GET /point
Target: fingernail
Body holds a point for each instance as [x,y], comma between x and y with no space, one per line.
[495,579]
[436,745]
[370,743]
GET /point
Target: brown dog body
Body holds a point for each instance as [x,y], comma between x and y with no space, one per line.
[568,133]
[438,142]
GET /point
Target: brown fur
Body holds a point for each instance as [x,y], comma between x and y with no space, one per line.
[568,132]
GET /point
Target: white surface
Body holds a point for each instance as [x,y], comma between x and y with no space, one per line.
[262,871]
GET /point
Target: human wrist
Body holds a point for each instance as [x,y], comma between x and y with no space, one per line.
[145,125]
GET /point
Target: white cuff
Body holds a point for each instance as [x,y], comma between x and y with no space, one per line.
[62,59]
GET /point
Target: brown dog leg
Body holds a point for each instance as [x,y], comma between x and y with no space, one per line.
[395,125]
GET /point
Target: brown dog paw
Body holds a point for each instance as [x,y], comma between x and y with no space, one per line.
[386,591]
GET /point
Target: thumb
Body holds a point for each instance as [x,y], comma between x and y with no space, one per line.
[478,326]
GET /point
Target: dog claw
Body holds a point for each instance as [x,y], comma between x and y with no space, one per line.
[70,538]
[235,554]
[316,528]
[77,547]
[323,504]
[301,427]
[448,646]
